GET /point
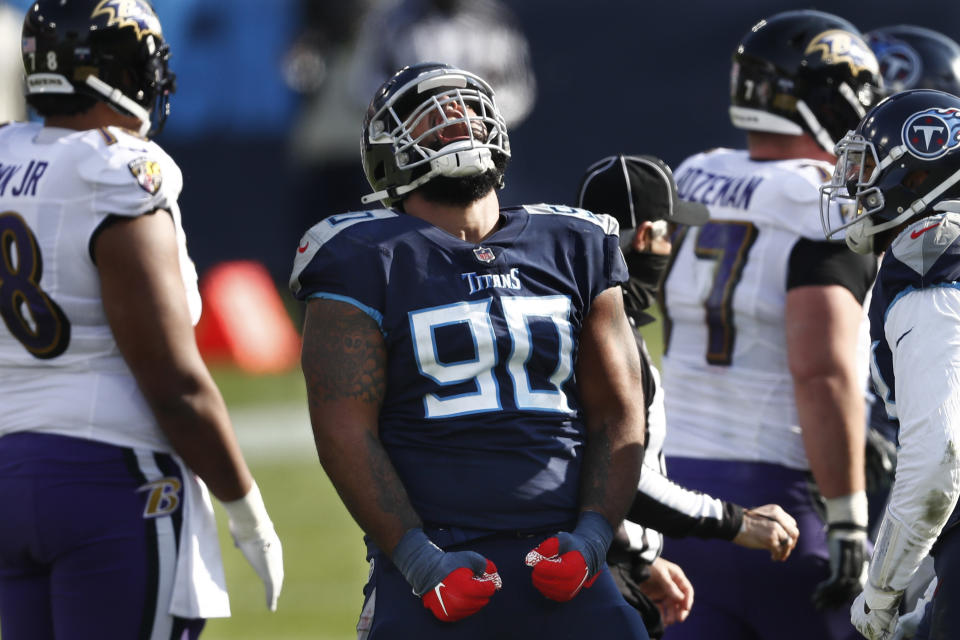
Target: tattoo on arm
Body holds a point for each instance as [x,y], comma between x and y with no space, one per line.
[344,356]
[344,364]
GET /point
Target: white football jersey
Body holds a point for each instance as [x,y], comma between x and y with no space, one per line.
[729,393]
[60,368]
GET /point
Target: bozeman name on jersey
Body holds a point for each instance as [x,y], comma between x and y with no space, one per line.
[57,187]
[726,293]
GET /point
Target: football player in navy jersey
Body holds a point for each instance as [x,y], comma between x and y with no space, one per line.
[910,57]
[897,179]
[640,192]
[764,365]
[111,427]
[472,380]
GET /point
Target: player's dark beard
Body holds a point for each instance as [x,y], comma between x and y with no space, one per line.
[460,192]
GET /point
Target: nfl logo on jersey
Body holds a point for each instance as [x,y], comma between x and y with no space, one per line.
[484,254]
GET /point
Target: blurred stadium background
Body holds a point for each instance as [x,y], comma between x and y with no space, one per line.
[612,76]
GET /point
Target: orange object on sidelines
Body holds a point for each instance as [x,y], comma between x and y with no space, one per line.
[244,321]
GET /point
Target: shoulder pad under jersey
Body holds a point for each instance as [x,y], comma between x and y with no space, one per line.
[130,175]
[606,222]
[324,232]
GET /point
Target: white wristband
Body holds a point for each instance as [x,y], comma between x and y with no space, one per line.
[248,514]
[851,508]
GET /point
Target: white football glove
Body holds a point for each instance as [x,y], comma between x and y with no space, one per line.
[254,535]
[880,621]
[909,622]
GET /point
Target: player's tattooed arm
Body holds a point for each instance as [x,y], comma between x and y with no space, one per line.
[344,364]
[611,393]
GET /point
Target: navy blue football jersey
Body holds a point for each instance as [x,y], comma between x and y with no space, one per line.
[925,254]
[481,416]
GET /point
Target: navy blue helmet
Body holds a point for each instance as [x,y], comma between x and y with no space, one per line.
[914,57]
[403,145]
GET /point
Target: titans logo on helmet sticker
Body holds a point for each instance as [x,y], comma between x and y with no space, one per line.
[129,13]
[837,46]
[932,133]
[900,64]
[147,173]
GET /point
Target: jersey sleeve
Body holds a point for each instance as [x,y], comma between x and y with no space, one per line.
[130,176]
[333,262]
[616,264]
[821,263]
[678,512]
[921,329]
[590,241]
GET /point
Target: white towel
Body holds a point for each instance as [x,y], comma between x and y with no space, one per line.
[199,586]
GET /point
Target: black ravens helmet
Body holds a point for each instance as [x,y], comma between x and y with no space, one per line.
[403,144]
[803,72]
[913,57]
[76,51]
[901,161]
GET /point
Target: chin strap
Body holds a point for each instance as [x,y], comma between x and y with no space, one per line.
[118,98]
[404,189]
[454,163]
[819,133]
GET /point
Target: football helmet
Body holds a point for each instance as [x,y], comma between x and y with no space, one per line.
[913,57]
[902,160]
[108,50]
[801,72]
[404,145]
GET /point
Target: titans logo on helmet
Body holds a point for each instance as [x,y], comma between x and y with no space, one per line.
[900,64]
[932,133]
[837,46]
[129,13]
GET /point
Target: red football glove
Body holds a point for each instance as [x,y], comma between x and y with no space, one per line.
[558,577]
[462,593]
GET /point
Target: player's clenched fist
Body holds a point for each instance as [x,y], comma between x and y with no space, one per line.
[462,593]
[454,584]
[568,562]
